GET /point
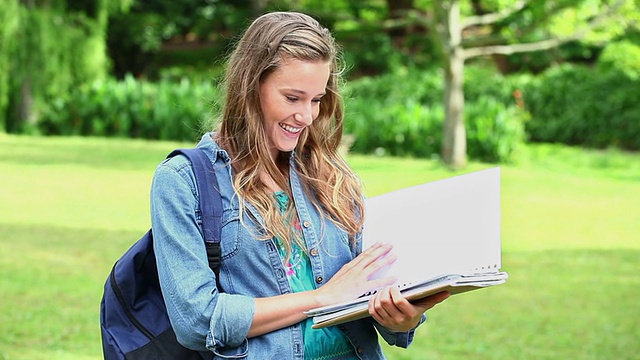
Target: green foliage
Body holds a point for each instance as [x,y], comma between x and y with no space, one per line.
[371,54]
[495,115]
[402,114]
[8,28]
[136,38]
[51,48]
[495,131]
[358,27]
[399,114]
[622,56]
[131,108]
[482,81]
[405,128]
[174,33]
[582,106]
[391,114]
[586,24]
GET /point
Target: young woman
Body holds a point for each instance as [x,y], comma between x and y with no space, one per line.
[293,214]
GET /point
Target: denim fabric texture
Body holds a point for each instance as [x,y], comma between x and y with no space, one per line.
[207,319]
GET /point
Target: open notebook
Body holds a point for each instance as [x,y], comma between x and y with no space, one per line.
[445,233]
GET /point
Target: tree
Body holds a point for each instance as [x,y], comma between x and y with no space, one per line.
[533,26]
[140,40]
[48,47]
[8,27]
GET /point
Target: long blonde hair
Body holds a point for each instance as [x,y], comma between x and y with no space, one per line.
[327,179]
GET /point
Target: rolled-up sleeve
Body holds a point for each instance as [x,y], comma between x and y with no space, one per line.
[400,339]
[229,323]
[201,317]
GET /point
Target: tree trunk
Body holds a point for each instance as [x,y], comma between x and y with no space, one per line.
[26,115]
[454,141]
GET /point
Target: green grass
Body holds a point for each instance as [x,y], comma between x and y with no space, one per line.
[570,229]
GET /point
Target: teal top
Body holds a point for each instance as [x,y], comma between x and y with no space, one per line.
[320,344]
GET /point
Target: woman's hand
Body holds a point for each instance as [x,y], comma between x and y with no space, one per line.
[391,310]
[353,279]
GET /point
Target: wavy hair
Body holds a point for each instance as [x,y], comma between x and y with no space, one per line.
[327,179]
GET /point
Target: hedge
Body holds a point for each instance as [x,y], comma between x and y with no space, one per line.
[402,114]
[397,114]
[131,108]
[578,105]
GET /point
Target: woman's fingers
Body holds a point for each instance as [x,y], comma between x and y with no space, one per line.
[369,261]
[388,304]
[375,258]
[356,277]
[433,300]
[389,308]
[372,254]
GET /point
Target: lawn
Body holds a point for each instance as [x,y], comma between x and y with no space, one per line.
[570,231]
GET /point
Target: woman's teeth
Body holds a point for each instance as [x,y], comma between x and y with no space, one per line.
[290,129]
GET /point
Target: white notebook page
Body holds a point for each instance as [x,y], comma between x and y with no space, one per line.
[450,226]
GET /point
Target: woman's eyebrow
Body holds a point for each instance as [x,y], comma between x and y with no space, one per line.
[302,92]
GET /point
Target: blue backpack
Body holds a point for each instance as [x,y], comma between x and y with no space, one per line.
[133,316]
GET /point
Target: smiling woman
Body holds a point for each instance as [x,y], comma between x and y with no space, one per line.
[292,214]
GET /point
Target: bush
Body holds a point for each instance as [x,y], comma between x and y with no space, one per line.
[132,108]
[402,114]
[397,114]
[494,130]
[395,128]
[576,105]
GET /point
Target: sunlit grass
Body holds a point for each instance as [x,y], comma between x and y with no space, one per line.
[570,230]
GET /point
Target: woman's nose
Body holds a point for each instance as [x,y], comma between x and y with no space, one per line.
[304,116]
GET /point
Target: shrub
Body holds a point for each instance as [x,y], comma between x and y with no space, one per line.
[402,114]
[132,108]
[406,128]
[494,130]
[397,114]
[576,105]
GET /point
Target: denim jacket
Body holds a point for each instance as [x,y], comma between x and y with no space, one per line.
[211,321]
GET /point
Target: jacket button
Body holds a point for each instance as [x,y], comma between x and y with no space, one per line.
[314,252]
[319,279]
[306,224]
[360,350]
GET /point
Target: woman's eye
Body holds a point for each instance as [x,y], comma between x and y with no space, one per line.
[317,101]
[292,98]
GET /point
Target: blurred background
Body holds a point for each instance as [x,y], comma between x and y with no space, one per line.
[434,79]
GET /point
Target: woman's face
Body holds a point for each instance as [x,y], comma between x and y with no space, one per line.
[290,99]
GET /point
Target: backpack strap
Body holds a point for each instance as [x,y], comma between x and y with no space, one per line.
[210,205]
